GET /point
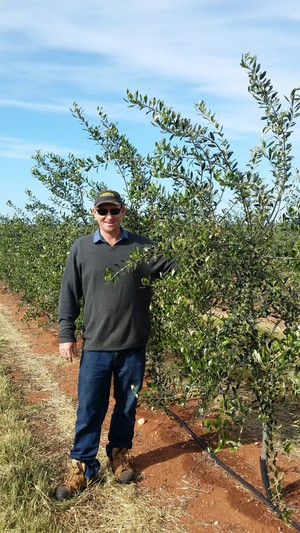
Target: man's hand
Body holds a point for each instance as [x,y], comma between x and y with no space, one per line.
[68,350]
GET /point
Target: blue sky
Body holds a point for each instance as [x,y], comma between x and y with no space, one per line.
[92,51]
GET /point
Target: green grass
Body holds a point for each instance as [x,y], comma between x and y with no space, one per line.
[24,478]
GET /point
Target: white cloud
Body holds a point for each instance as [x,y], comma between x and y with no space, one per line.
[15,148]
[32,106]
[189,41]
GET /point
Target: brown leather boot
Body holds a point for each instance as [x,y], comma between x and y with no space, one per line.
[121,467]
[74,482]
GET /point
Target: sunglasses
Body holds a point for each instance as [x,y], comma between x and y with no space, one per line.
[103,211]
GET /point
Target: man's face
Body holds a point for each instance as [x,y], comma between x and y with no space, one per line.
[108,222]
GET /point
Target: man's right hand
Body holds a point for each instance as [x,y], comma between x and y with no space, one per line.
[68,350]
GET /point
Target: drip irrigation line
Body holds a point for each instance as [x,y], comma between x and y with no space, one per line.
[265,478]
[229,470]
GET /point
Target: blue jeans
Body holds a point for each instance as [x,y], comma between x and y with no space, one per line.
[127,368]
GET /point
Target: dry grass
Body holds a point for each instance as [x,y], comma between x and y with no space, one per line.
[111,508]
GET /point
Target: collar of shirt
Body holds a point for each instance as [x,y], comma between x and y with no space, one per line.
[98,238]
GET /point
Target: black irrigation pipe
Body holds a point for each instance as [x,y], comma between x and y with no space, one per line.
[229,470]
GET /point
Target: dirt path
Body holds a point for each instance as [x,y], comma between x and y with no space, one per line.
[172,464]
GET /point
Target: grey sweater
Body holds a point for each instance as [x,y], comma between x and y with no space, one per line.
[115,314]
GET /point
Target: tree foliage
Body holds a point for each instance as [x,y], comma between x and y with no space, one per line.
[234,267]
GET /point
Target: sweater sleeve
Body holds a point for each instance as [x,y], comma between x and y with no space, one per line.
[161,265]
[69,300]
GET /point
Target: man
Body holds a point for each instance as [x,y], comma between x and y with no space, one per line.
[115,332]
